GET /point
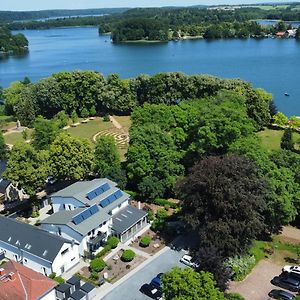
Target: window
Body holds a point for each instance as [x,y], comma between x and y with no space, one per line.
[25,261]
[72,258]
[65,251]
[59,230]
[70,207]
[16,257]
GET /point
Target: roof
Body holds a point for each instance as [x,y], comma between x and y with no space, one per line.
[78,295]
[73,280]
[3,185]
[126,218]
[31,239]
[87,287]
[80,191]
[26,281]
[63,287]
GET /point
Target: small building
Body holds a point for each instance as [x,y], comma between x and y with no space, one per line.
[63,291]
[36,248]
[89,290]
[281,34]
[90,211]
[74,282]
[18,282]
[291,33]
[78,295]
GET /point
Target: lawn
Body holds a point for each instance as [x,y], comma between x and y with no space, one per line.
[15,137]
[271,7]
[270,138]
[125,121]
[89,129]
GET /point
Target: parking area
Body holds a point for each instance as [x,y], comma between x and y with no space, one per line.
[257,285]
[129,289]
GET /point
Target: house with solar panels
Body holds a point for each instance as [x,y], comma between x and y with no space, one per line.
[90,211]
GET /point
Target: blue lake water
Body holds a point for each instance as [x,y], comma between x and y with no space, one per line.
[272,64]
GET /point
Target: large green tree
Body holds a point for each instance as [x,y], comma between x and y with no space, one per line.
[3,147]
[45,132]
[28,168]
[107,159]
[287,142]
[223,200]
[186,284]
[71,157]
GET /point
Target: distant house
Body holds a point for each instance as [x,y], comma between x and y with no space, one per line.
[36,248]
[18,282]
[90,211]
[281,34]
[291,33]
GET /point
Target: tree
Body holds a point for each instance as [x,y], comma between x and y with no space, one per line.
[273,108]
[74,116]
[287,142]
[280,119]
[84,113]
[71,158]
[45,132]
[210,260]
[3,147]
[62,118]
[186,284]
[93,111]
[27,168]
[107,159]
[223,200]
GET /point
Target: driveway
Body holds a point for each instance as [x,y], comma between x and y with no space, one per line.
[129,289]
[257,285]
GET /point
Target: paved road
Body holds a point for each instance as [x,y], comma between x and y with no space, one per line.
[129,289]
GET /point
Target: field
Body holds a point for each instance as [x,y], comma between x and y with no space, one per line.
[271,7]
[270,138]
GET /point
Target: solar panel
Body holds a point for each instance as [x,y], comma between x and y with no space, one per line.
[94,209]
[98,191]
[118,194]
[105,187]
[91,195]
[104,202]
[77,219]
[86,214]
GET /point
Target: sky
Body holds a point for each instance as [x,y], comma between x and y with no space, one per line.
[74,4]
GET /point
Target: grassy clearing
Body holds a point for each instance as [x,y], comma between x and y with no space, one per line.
[15,137]
[125,121]
[271,7]
[271,138]
[89,129]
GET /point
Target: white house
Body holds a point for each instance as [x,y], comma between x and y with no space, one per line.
[89,211]
[18,282]
[36,248]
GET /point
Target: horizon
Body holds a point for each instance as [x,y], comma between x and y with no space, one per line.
[34,5]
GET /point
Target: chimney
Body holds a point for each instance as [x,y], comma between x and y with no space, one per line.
[12,276]
[139,205]
[2,272]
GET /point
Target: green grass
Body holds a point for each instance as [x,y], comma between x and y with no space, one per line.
[89,129]
[125,121]
[271,7]
[258,250]
[270,138]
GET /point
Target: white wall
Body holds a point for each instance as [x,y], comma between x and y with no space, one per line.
[67,260]
[59,202]
[49,296]
[117,209]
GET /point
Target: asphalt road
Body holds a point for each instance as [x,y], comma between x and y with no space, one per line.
[129,289]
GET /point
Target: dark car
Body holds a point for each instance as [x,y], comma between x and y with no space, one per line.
[287,282]
[156,281]
[151,291]
[280,294]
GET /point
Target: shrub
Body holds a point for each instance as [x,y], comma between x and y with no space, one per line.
[145,241]
[150,214]
[167,206]
[97,265]
[113,242]
[106,118]
[128,255]
[104,251]
[52,275]
[241,266]
[234,297]
[164,202]
[94,276]
[59,280]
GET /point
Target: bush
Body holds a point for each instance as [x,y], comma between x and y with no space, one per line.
[164,202]
[241,266]
[94,276]
[104,251]
[106,118]
[97,265]
[128,255]
[150,214]
[59,280]
[234,297]
[145,241]
[113,242]
[52,275]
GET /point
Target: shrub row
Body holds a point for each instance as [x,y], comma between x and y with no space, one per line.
[164,202]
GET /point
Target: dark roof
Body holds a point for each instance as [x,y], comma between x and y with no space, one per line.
[126,218]
[78,295]
[63,287]
[73,280]
[87,287]
[31,239]
[3,185]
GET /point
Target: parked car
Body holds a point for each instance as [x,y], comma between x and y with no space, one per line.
[280,294]
[287,282]
[151,291]
[291,269]
[188,260]
[156,280]
[51,180]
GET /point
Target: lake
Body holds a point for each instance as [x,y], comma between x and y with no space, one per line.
[272,64]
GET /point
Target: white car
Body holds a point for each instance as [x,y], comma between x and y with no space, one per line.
[291,269]
[188,260]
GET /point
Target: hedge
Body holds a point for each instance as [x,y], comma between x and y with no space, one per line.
[128,255]
[164,202]
[113,242]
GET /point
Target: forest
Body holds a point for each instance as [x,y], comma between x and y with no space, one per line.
[12,44]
